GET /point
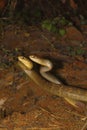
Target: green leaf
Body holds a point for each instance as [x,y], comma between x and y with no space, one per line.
[62,32]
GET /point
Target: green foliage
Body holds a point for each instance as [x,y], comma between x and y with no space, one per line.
[63,21]
[75,51]
[80,51]
[49,25]
[62,32]
[56,25]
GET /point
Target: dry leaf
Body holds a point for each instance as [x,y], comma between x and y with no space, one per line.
[73,4]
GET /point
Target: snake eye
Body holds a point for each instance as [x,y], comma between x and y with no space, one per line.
[32,56]
[20,58]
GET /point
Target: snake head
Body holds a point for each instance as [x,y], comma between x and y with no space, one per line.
[41,61]
[26,62]
[35,59]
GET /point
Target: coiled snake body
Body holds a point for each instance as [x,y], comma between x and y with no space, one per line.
[46,66]
[71,94]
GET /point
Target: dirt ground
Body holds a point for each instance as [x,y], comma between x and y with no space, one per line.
[23,105]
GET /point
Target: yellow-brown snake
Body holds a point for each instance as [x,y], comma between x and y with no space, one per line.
[71,94]
[46,66]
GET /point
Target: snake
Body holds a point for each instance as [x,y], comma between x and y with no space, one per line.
[71,94]
[46,67]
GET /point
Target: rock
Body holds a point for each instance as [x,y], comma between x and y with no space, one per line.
[74,34]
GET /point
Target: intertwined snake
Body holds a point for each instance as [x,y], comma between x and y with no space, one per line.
[46,67]
[71,94]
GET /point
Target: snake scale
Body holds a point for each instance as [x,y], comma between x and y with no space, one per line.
[69,93]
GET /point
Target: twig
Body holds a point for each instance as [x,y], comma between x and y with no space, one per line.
[82,116]
[54,116]
[84,126]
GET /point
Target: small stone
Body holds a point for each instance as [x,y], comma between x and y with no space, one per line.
[3,128]
[73,33]
[17,128]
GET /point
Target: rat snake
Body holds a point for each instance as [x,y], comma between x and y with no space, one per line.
[71,94]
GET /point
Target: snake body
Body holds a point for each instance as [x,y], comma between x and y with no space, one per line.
[46,67]
[68,92]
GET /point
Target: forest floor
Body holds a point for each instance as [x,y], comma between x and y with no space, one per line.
[23,105]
